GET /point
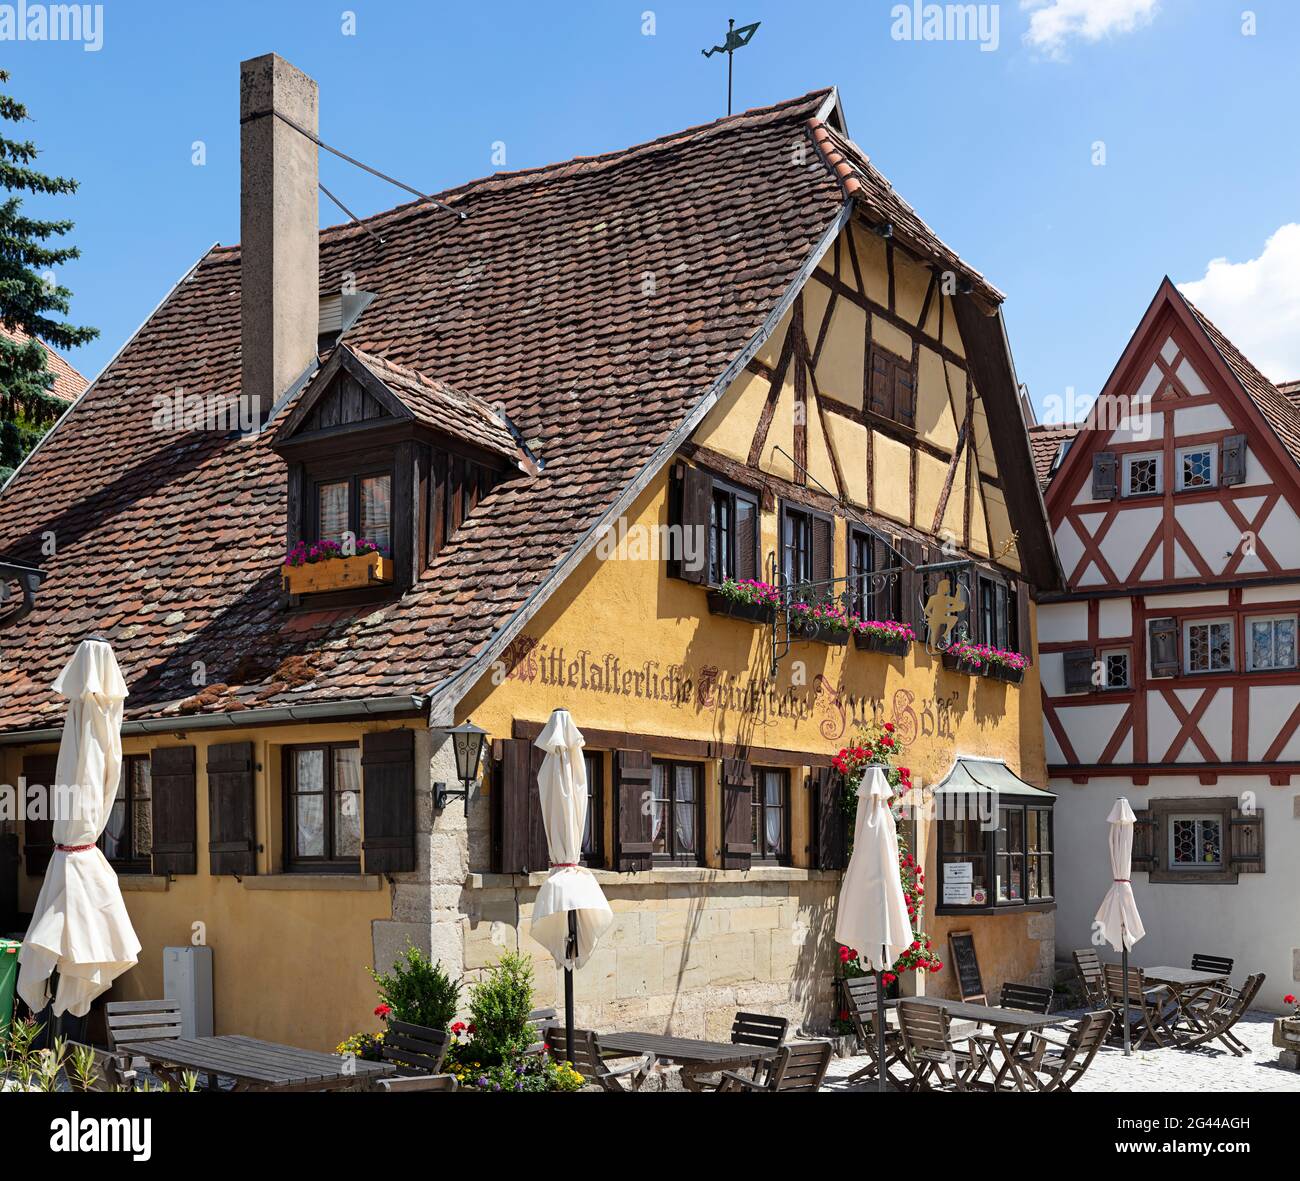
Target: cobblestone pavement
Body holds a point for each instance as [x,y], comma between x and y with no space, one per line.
[1202,1069]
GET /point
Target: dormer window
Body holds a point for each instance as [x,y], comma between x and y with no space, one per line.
[384,465]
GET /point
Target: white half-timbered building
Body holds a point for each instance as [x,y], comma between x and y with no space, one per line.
[1168,667]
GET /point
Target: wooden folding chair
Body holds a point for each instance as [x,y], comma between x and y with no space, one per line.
[860,1001]
[417,1049]
[800,1066]
[1062,1064]
[142,1021]
[109,1071]
[1028,998]
[1153,1004]
[929,1048]
[1214,1011]
[587,1061]
[1217,964]
[1088,964]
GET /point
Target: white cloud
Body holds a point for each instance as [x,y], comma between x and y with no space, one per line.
[1257,303]
[1054,23]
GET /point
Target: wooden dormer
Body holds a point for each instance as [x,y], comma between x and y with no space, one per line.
[393,456]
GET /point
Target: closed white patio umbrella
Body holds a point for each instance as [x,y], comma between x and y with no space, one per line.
[1118,919]
[80,925]
[570,913]
[872,913]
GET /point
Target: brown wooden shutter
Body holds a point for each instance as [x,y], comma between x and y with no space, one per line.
[1078,670]
[1162,639]
[884,599]
[388,801]
[1146,829]
[38,835]
[1232,460]
[1246,841]
[830,824]
[882,384]
[232,825]
[747,518]
[912,583]
[1024,629]
[1105,476]
[520,836]
[697,505]
[823,547]
[737,814]
[633,834]
[174,804]
[904,393]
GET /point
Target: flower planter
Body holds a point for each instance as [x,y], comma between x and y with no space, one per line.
[955,664]
[818,633]
[337,574]
[874,642]
[1286,1033]
[720,604]
[986,668]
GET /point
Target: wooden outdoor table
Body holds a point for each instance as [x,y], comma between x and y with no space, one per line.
[706,1057]
[255,1065]
[1185,985]
[1013,1024]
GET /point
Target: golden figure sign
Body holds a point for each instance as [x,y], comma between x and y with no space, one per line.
[941,612]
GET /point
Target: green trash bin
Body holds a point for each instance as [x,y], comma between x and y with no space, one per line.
[8,980]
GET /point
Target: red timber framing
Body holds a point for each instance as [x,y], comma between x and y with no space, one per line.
[1191,699]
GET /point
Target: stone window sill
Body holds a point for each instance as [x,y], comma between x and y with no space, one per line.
[313,881]
[676,875]
[143,883]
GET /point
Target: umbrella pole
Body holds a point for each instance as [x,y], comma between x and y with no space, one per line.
[881,1084]
[572,950]
[1123,959]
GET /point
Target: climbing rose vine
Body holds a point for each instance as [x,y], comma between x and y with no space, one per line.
[876,746]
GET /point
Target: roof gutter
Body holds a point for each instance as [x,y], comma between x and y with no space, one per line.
[445,696]
[348,709]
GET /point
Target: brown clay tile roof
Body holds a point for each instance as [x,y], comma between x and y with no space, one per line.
[881,203]
[438,405]
[1290,390]
[68,383]
[1278,410]
[1045,441]
[169,543]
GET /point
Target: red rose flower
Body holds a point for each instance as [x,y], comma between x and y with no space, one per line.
[459,1027]
[382,1010]
[889,727]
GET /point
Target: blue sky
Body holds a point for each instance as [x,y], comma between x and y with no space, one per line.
[994,148]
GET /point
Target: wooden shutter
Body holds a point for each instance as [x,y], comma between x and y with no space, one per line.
[823,545]
[1162,639]
[904,393]
[912,584]
[632,830]
[1232,460]
[697,505]
[884,599]
[388,801]
[1246,841]
[1024,629]
[1078,670]
[830,824]
[175,810]
[520,837]
[1145,830]
[38,835]
[882,384]
[232,826]
[737,814]
[747,518]
[1105,476]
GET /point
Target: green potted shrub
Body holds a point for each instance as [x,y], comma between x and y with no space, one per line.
[417,990]
[1286,1033]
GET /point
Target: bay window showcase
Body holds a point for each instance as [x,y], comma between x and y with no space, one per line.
[986,864]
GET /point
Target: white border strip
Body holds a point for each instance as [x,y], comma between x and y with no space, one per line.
[446,695]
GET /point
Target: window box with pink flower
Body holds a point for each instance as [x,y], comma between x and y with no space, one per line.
[323,566]
[745,599]
[893,639]
[822,623]
[983,660]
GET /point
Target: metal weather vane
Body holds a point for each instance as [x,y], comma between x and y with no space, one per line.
[737,38]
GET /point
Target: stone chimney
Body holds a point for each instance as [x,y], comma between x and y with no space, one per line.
[279,246]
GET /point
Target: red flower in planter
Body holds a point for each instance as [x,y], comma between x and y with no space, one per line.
[889,978]
[459,1027]
[472,1028]
[1288,999]
[382,1010]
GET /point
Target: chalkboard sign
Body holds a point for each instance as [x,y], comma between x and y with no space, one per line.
[966,967]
